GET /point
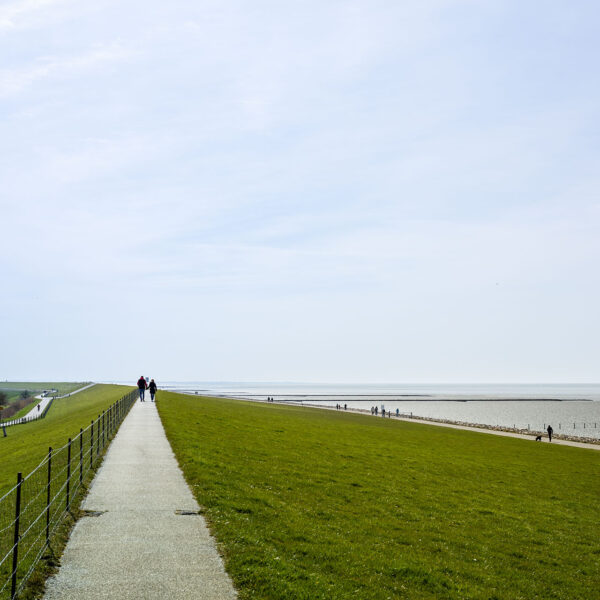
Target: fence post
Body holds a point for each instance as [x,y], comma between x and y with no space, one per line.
[15,562]
[92,446]
[68,471]
[48,496]
[98,436]
[103,428]
[81,456]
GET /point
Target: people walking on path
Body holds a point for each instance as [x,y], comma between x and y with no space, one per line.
[142,385]
[152,388]
[550,432]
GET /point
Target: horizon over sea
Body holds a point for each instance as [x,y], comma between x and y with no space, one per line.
[572,409]
[433,391]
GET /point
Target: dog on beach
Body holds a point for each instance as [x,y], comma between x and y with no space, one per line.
[538,438]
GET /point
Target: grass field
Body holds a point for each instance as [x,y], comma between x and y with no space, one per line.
[25,410]
[37,387]
[27,445]
[14,389]
[24,449]
[309,504]
[11,395]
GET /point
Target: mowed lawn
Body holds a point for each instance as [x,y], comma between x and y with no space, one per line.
[36,387]
[307,504]
[26,445]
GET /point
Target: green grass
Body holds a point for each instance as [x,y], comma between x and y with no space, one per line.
[23,450]
[37,387]
[11,395]
[25,410]
[309,504]
[27,445]
[13,390]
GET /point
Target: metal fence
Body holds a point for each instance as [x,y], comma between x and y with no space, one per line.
[32,511]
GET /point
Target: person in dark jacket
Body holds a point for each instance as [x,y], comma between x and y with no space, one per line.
[142,385]
[550,432]
[152,388]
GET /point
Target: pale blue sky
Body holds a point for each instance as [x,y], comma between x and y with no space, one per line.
[359,191]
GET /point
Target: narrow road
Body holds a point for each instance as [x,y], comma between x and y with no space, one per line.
[39,408]
[146,540]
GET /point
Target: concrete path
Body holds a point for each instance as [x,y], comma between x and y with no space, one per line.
[40,407]
[34,413]
[139,548]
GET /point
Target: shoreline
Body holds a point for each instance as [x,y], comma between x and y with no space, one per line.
[528,434]
[525,434]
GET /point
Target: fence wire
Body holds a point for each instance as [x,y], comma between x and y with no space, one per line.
[33,510]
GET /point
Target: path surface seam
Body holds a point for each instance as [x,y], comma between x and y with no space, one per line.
[138,548]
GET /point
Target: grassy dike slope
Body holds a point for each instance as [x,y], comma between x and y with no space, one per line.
[36,387]
[309,504]
[27,445]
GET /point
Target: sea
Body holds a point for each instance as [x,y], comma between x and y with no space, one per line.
[571,409]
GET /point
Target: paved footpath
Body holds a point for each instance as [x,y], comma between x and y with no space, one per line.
[139,548]
[40,407]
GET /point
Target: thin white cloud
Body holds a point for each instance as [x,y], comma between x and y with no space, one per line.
[15,80]
[12,14]
[366,171]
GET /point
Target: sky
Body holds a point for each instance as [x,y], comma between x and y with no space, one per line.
[316,191]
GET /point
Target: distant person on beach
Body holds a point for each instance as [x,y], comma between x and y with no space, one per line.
[152,388]
[142,385]
[550,432]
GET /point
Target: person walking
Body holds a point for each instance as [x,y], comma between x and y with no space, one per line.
[152,388]
[550,432]
[142,385]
